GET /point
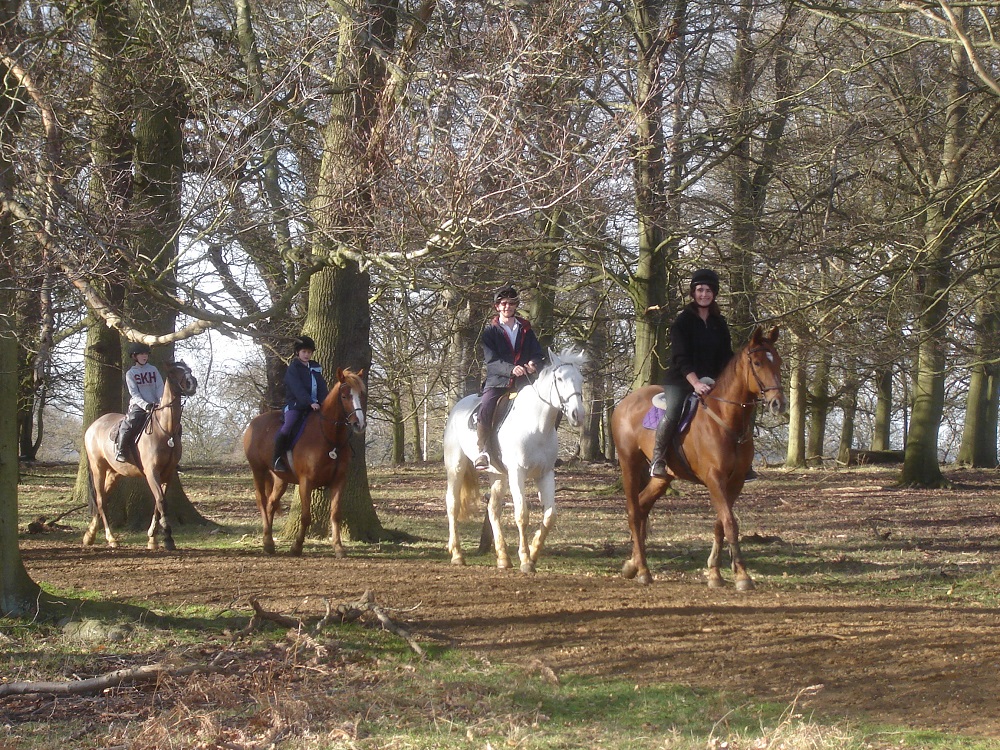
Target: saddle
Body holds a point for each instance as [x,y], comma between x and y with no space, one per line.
[656,411]
[499,415]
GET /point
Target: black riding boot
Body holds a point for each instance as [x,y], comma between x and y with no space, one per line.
[280,448]
[664,433]
[482,462]
[120,445]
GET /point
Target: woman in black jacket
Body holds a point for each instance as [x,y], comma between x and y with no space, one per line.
[700,347]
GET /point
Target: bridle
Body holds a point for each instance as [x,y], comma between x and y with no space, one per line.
[561,406]
[345,421]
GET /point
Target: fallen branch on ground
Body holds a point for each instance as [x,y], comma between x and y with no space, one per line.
[348,612]
[93,685]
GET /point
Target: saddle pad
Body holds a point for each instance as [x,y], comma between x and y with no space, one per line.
[652,417]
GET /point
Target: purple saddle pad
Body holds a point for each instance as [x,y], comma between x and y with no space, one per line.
[652,418]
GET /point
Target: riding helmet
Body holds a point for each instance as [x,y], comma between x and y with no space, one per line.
[705,276]
[304,342]
[137,347]
[505,292]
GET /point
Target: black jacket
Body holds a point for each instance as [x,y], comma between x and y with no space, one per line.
[501,357]
[299,384]
[701,347]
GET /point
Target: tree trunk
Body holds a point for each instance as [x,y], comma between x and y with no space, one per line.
[795,455]
[398,450]
[883,410]
[649,285]
[979,433]
[818,408]
[18,593]
[850,409]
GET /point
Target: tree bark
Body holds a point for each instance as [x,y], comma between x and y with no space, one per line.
[795,455]
[883,410]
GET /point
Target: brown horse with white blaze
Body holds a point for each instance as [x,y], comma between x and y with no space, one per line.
[716,451]
[319,457]
[159,450]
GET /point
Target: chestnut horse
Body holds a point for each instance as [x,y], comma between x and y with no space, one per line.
[159,449]
[319,457]
[716,451]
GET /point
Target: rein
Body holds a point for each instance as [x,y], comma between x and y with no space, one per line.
[748,425]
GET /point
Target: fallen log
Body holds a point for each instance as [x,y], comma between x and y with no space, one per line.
[867,458]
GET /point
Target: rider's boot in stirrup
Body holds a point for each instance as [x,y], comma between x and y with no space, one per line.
[664,433]
[280,448]
[482,462]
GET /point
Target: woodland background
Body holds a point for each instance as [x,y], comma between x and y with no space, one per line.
[369,172]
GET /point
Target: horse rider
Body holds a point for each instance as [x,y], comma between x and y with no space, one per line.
[305,390]
[145,389]
[511,352]
[700,348]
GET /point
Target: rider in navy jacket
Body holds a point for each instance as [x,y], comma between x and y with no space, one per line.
[305,390]
[511,352]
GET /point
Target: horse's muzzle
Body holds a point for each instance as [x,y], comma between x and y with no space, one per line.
[776,405]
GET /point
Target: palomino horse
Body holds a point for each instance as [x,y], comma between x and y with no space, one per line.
[716,451]
[319,457]
[527,447]
[159,449]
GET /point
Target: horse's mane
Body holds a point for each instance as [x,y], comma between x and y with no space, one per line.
[569,356]
[729,371]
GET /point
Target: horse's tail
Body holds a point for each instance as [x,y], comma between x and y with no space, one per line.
[468,495]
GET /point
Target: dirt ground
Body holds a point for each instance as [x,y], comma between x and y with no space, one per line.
[925,664]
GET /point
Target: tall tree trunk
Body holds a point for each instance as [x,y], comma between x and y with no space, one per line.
[881,428]
[979,433]
[18,593]
[818,408]
[850,409]
[795,455]
[649,285]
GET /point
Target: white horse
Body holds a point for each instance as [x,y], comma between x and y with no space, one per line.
[527,448]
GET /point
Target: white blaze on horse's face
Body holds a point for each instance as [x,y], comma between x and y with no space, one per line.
[357,417]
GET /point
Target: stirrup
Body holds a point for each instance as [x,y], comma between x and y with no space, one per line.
[280,464]
[658,469]
[482,462]
[120,457]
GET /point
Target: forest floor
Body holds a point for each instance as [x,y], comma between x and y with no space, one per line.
[872,602]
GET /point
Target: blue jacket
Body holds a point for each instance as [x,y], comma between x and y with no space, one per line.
[501,357]
[304,385]
[701,347]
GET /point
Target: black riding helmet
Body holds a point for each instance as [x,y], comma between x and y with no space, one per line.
[137,347]
[705,276]
[304,342]
[505,292]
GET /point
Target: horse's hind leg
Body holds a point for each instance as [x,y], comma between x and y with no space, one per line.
[451,502]
[103,484]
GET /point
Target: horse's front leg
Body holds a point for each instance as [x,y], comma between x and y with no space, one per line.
[305,502]
[726,529]
[336,488]
[516,479]
[159,521]
[547,498]
[638,505]
[497,490]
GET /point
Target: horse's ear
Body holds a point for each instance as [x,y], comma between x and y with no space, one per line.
[756,336]
[340,374]
[553,357]
[361,372]
[772,335]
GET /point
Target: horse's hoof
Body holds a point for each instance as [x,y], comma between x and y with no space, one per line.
[295,552]
[528,567]
[629,570]
[339,553]
[88,539]
[645,578]
[269,547]
[458,561]
[745,584]
[168,544]
[715,581]
[503,564]
[113,544]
